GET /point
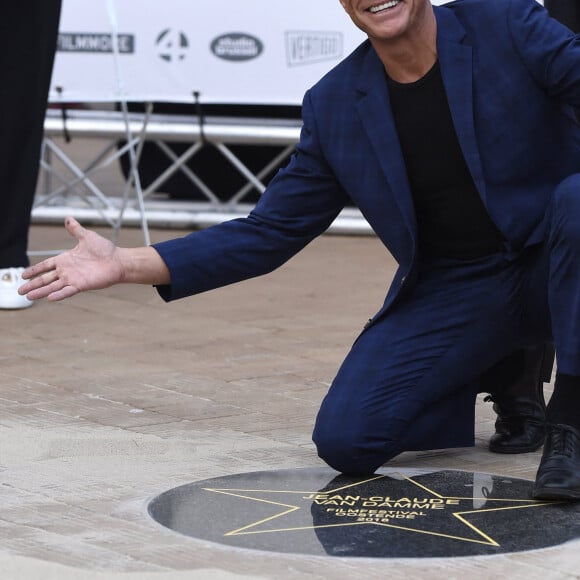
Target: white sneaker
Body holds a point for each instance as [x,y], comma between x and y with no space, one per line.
[10,281]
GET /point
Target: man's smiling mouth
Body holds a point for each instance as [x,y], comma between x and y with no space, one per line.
[384,6]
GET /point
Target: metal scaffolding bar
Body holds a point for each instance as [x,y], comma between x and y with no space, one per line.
[140,209]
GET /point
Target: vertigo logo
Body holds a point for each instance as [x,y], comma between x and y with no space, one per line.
[172,45]
[310,47]
[237,46]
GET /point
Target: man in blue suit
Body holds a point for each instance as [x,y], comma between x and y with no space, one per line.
[450,128]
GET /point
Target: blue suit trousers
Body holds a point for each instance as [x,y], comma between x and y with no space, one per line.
[410,379]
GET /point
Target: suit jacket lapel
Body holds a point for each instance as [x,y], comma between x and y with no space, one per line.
[456,63]
[374,111]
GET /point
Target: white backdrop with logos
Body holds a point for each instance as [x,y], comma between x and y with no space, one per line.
[255,51]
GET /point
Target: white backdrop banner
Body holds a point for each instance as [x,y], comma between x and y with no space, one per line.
[230,51]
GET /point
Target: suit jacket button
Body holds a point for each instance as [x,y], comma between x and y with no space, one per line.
[368,323]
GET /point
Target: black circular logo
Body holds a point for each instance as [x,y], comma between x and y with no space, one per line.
[392,514]
[237,46]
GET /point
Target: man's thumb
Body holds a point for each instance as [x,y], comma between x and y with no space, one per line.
[74,228]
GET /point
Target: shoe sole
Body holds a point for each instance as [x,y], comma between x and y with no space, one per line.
[551,493]
[515,450]
[15,307]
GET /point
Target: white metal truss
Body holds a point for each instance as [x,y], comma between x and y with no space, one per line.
[70,189]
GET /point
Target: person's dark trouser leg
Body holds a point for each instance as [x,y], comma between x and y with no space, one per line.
[409,381]
[559,471]
[516,386]
[27,44]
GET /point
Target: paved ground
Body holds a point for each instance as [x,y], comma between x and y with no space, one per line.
[113,397]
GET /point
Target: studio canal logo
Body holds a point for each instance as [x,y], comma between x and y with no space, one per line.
[304,48]
[237,46]
[392,514]
[172,45]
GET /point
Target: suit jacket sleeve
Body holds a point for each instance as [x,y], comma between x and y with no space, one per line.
[549,50]
[299,204]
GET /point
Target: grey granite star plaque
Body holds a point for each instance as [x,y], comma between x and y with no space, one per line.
[395,513]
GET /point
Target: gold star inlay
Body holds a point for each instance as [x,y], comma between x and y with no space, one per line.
[421,511]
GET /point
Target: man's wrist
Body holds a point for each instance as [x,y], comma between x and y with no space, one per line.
[142,265]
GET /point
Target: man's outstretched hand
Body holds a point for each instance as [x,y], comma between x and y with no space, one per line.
[93,263]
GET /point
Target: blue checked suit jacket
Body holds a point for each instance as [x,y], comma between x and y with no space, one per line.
[510,73]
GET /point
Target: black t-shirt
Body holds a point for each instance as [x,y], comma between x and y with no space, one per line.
[451,218]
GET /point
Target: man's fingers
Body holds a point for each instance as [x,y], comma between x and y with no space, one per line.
[53,291]
[38,269]
[74,229]
[63,293]
[49,286]
[44,281]
[43,291]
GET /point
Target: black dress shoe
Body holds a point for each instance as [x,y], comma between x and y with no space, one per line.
[516,384]
[559,472]
[520,426]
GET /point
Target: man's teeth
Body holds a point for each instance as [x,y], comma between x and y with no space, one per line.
[384,6]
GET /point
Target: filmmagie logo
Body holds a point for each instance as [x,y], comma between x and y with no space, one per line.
[95,42]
